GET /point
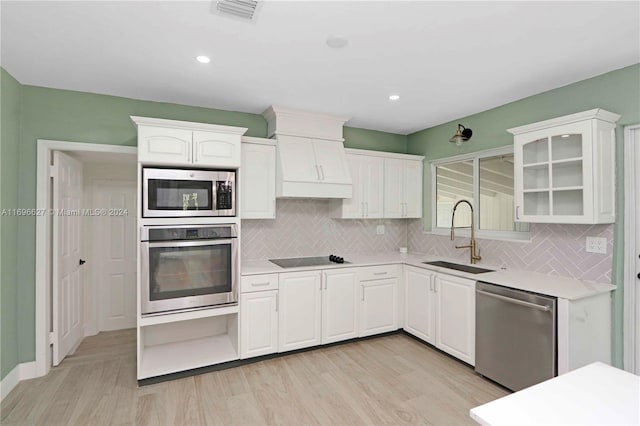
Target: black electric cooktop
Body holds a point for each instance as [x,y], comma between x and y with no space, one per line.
[297,262]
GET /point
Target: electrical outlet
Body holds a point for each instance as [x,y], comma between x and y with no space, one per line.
[597,245]
[380,230]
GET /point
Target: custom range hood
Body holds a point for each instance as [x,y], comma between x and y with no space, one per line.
[311,160]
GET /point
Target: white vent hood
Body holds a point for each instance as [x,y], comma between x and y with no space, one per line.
[312,162]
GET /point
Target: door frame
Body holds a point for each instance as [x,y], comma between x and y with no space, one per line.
[631,312]
[43,267]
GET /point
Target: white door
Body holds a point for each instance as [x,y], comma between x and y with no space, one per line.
[258,181]
[419,305]
[378,307]
[258,323]
[340,305]
[412,188]
[393,198]
[297,158]
[374,187]
[332,161]
[68,327]
[114,249]
[299,316]
[456,316]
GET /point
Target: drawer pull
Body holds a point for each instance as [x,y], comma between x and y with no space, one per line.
[379,273]
[260,284]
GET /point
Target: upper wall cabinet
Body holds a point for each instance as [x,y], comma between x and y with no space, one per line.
[403,187]
[385,185]
[565,169]
[258,179]
[170,142]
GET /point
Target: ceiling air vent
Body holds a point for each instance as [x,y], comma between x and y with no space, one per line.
[244,9]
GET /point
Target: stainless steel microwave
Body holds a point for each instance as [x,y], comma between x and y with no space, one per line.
[188,193]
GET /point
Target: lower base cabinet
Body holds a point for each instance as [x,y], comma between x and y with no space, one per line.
[340,305]
[440,309]
[379,300]
[299,313]
[259,323]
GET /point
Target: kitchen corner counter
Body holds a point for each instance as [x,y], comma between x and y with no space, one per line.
[597,394]
[551,285]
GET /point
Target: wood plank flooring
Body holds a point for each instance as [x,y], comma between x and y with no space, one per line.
[387,380]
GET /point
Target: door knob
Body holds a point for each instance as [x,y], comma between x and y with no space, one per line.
[82,262]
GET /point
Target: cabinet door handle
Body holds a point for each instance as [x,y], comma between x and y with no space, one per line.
[363,292]
[517,212]
[379,273]
[259,284]
[318,172]
[277,302]
[322,172]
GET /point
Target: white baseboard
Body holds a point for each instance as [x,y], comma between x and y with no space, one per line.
[24,371]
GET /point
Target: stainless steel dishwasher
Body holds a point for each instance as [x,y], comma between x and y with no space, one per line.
[515,336]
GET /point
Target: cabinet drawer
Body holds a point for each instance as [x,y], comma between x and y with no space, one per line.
[378,272]
[252,283]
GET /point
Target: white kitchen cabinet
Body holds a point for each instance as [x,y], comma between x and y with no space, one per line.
[299,311]
[367,175]
[455,300]
[258,323]
[258,179]
[379,299]
[340,304]
[420,307]
[565,169]
[170,142]
[402,188]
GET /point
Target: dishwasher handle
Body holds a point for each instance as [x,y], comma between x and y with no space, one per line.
[516,301]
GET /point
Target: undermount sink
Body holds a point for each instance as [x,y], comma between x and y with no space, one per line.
[458,267]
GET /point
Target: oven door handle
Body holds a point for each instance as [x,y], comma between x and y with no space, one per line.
[198,243]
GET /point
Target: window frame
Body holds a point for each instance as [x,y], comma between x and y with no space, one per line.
[523,236]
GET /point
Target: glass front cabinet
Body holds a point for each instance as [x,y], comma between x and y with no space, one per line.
[565,169]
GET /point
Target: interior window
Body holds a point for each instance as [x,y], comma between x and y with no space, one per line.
[484,179]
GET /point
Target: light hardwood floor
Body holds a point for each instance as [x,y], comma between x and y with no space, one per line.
[387,380]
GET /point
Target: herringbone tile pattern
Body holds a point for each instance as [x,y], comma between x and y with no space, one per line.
[554,249]
[307,228]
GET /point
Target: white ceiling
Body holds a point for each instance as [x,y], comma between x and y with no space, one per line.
[445,59]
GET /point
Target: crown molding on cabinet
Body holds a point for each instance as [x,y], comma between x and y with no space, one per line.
[597,113]
[188,125]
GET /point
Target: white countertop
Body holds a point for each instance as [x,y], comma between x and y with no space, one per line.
[562,287]
[597,394]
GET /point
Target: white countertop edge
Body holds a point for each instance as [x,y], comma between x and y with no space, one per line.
[552,285]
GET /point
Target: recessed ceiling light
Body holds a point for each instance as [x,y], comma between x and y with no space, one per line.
[337,42]
[203,59]
[394,97]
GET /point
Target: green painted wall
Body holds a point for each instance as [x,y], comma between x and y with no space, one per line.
[84,117]
[10,106]
[617,91]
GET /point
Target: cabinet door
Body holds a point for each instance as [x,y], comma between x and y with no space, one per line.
[299,316]
[374,187]
[353,208]
[393,198]
[258,323]
[378,311]
[332,161]
[419,314]
[298,160]
[456,316]
[258,181]
[412,188]
[340,305]
[216,149]
[161,145]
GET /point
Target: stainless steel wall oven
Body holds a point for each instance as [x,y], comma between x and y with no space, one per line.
[185,267]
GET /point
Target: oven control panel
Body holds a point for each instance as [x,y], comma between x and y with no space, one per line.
[189,233]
